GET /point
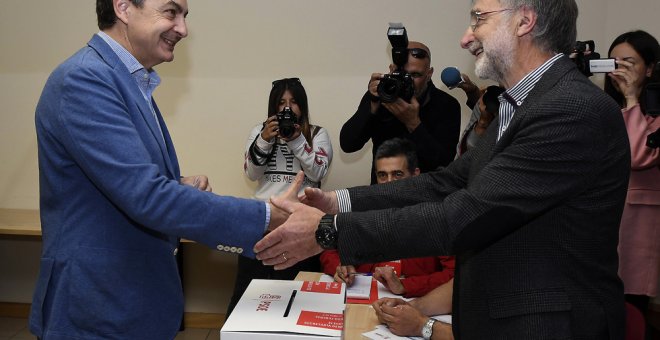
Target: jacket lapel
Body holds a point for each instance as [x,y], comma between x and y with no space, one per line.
[113,61]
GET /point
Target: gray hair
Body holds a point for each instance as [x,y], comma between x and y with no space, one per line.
[556,23]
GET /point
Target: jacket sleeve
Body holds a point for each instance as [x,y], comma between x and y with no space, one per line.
[639,126]
[115,155]
[329,261]
[357,130]
[256,154]
[436,139]
[314,161]
[419,285]
[539,164]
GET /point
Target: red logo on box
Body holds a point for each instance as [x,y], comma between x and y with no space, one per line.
[321,320]
[321,287]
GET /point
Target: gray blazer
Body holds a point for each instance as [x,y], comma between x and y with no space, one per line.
[533,218]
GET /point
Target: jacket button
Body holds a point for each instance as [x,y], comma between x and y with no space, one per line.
[176,251]
[239,250]
[219,247]
[233,249]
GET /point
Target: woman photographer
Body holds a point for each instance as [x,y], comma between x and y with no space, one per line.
[636,55]
[275,152]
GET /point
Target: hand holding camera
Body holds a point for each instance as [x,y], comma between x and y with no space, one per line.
[628,81]
[284,124]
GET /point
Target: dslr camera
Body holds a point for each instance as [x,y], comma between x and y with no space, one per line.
[588,61]
[286,120]
[398,84]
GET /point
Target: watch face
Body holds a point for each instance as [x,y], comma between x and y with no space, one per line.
[326,235]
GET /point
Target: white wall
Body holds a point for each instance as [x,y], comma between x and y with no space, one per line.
[217,89]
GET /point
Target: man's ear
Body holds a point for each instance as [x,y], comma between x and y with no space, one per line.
[527,21]
[392,68]
[121,9]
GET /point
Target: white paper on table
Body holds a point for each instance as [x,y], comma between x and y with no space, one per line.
[383,332]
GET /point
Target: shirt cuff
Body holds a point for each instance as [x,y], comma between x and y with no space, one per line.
[343,200]
[267,216]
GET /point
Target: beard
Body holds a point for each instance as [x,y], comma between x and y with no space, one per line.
[496,57]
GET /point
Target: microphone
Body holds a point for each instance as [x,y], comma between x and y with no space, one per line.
[451,77]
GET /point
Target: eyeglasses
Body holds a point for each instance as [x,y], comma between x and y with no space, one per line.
[418,53]
[288,81]
[475,17]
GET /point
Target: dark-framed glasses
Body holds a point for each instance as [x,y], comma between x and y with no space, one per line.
[476,16]
[288,81]
[418,53]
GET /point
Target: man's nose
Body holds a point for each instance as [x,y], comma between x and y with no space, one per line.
[467,39]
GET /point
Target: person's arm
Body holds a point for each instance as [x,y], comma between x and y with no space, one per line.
[329,262]
[119,155]
[639,126]
[257,151]
[437,215]
[436,302]
[357,130]
[419,285]
[314,162]
[472,91]
[436,137]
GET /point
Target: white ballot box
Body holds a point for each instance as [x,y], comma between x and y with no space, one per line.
[279,309]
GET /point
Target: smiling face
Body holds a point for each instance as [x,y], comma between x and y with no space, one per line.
[153,30]
[491,40]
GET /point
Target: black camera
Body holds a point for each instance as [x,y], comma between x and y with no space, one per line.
[398,84]
[583,53]
[286,120]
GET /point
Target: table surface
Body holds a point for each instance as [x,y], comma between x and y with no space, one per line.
[358,318]
[20,222]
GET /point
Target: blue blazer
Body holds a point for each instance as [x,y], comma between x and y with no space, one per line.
[113,209]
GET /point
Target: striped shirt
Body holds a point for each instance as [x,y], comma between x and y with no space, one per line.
[147,81]
[513,98]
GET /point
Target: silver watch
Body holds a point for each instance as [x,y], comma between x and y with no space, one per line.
[427,329]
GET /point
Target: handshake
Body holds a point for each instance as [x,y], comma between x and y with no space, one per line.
[293,223]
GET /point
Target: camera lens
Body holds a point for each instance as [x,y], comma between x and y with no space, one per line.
[286,120]
[388,89]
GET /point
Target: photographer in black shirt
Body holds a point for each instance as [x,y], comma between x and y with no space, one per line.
[431,120]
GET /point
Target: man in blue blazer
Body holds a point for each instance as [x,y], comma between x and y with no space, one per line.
[532,211]
[113,203]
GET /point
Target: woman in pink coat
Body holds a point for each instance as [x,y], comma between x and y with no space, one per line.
[637,54]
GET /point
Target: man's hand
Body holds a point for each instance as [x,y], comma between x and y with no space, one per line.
[200,182]
[387,276]
[401,318]
[406,113]
[295,239]
[343,275]
[278,215]
[325,201]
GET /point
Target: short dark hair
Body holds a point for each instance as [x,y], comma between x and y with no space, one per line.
[648,48]
[491,98]
[105,12]
[398,147]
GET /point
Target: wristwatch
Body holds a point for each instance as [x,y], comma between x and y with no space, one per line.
[427,329]
[326,233]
